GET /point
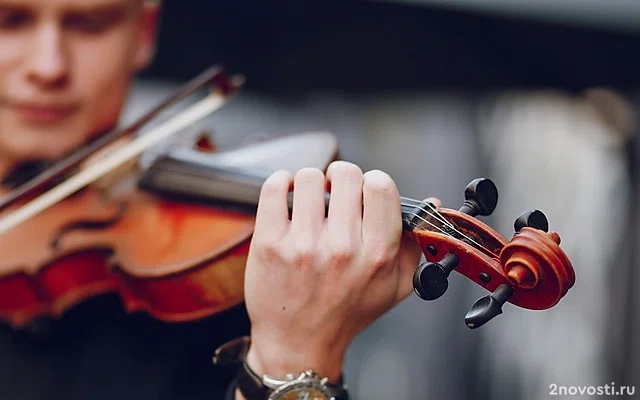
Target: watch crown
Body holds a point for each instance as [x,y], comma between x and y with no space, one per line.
[308,373]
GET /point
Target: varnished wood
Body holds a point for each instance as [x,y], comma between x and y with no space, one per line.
[532,262]
[176,260]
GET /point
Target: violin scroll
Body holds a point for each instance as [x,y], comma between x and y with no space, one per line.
[530,271]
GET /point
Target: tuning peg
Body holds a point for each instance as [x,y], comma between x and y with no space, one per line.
[488,307]
[533,219]
[481,197]
[430,280]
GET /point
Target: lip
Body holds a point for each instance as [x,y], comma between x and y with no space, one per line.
[43,113]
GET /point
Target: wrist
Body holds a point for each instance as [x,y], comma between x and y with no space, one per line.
[278,361]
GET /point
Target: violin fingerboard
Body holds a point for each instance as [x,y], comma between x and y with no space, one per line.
[197,180]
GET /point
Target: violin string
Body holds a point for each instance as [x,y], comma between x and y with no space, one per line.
[437,215]
[415,224]
[453,228]
[480,246]
[419,204]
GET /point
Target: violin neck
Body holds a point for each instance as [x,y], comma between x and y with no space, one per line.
[200,177]
[191,176]
[196,176]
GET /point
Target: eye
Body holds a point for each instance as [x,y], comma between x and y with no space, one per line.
[89,23]
[94,22]
[14,19]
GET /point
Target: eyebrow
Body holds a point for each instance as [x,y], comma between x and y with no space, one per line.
[11,6]
[109,10]
[106,8]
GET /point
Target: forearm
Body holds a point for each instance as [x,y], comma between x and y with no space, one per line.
[277,359]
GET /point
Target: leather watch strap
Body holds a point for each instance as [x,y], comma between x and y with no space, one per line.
[250,384]
[247,380]
[252,387]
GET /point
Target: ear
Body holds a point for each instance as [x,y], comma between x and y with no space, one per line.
[147,34]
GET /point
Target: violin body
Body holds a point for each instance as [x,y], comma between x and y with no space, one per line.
[177,258]
[151,257]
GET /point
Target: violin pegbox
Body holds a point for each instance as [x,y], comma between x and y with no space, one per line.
[530,271]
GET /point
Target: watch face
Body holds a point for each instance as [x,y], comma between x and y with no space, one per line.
[302,390]
[304,394]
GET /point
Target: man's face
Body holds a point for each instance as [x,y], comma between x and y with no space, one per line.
[65,68]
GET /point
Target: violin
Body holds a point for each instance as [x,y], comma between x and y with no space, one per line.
[175,245]
[177,259]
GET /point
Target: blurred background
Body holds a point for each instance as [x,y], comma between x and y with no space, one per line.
[540,96]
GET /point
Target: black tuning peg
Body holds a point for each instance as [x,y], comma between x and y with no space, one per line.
[430,280]
[488,307]
[481,197]
[533,219]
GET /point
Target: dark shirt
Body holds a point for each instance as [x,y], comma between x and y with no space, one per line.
[97,351]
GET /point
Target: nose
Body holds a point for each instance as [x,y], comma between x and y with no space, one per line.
[48,64]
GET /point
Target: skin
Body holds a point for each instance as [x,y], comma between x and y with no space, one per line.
[312,283]
[65,71]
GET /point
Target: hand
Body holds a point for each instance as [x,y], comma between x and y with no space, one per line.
[313,283]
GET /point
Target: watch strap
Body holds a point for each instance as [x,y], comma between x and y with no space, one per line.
[232,352]
[247,381]
[253,388]
[250,383]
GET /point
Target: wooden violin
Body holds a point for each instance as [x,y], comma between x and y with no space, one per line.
[172,257]
[173,247]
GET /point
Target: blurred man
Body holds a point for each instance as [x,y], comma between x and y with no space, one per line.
[65,71]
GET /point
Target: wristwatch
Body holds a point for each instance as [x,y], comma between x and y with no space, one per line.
[307,385]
